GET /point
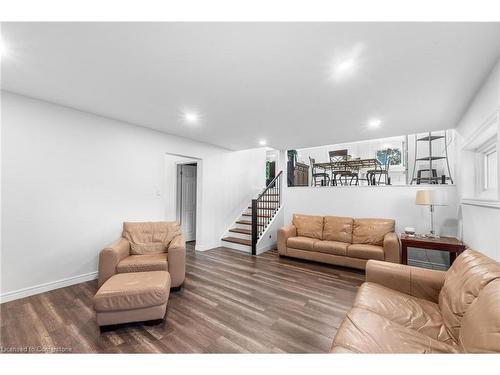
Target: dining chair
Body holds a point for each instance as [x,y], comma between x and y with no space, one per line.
[323,176]
[343,171]
[382,171]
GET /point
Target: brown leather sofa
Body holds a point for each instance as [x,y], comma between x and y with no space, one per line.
[342,241]
[403,309]
[146,246]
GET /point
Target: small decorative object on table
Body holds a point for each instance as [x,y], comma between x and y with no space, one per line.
[410,231]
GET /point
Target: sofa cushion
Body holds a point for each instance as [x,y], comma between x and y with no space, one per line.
[150,237]
[480,331]
[126,291]
[411,312]
[365,251]
[308,226]
[301,243]
[337,228]
[371,231]
[465,279]
[364,331]
[143,263]
[331,247]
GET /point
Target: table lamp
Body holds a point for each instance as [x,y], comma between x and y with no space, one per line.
[431,198]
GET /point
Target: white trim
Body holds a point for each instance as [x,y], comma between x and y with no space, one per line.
[263,249]
[483,133]
[207,247]
[480,202]
[45,287]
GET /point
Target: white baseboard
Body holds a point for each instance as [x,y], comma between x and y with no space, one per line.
[26,292]
[430,265]
[201,247]
[267,248]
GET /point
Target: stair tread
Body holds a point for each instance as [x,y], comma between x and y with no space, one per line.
[246,222]
[265,208]
[250,214]
[240,230]
[240,241]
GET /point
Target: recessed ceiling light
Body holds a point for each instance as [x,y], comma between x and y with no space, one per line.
[374,123]
[191,117]
[344,67]
[346,63]
[262,142]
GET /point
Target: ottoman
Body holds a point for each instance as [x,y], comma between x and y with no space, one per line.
[132,297]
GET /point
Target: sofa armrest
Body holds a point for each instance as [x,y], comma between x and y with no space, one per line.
[284,234]
[391,248]
[176,255]
[415,281]
[110,256]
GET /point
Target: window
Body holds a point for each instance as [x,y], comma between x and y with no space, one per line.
[487,169]
[491,170]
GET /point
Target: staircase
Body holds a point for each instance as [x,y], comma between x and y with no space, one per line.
[250,226]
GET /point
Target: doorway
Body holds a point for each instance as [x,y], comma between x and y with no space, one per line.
[186,199]
[271,163]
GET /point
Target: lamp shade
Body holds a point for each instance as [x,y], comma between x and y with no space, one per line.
[431,197]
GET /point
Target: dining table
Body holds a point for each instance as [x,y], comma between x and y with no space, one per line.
[350,164]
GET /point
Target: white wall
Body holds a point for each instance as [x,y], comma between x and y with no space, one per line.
[480,225]
[392,202]
[70,178]
[234,178]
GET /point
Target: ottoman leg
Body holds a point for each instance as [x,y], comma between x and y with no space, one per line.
[108,328]
[176,288]
[153,322]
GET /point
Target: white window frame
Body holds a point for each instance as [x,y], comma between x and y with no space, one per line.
[482,142]
[482,190]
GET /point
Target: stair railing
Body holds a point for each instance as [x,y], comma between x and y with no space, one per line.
[264,208]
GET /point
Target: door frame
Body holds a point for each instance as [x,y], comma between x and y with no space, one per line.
[178,193]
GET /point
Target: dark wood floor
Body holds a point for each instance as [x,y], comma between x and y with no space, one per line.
[230,302]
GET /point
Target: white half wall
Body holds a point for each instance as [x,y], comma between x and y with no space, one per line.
[480,224]
[70,178]
[392,202]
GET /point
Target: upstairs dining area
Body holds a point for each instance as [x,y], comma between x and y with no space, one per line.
[423,158]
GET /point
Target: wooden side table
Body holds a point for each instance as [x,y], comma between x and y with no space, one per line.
[449,244]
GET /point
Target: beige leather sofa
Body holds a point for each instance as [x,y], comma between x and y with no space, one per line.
[146,246]
[343,241]
[403,309]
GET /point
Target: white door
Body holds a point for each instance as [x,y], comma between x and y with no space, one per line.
[188,201]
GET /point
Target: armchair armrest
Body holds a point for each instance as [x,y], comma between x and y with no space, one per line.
[415,281]
[110,256]
[176,256]
[391,248]
[284,234]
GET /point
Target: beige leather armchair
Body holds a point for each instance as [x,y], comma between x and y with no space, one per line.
[405,309]
[146,246]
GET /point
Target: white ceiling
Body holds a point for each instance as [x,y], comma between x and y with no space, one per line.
[251,81]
